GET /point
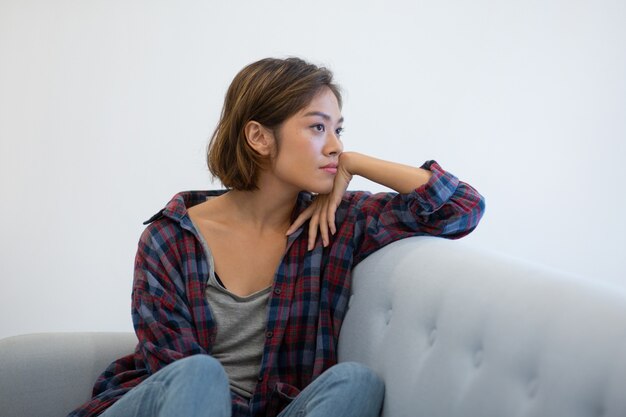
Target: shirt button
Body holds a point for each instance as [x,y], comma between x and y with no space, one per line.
[277,291]
[269,334]
[260,378]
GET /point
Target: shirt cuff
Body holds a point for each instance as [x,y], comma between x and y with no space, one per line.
[437,191]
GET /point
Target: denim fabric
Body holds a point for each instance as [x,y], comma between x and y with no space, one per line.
[197,386]
[347,389]
[193,386]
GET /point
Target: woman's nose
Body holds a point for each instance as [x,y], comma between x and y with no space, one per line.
[334,146]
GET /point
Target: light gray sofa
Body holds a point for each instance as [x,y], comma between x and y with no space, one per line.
[454,331]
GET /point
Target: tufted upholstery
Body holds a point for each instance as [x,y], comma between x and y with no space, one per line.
[453,330]
[458,332]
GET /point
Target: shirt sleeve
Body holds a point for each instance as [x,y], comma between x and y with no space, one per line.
[163,320]
[445,207]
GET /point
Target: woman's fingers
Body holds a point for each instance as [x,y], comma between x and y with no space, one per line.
[303,217]
[324,223]
[332,208]
[313,224]
[334,199]
[321,217]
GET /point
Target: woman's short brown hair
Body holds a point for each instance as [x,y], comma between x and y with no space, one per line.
[268,91]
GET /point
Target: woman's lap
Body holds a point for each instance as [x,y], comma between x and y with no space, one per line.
[198,386]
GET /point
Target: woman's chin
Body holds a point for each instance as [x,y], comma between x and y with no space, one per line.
[320,189]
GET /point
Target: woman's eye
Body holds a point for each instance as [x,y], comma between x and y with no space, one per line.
[318,127]
[339,131]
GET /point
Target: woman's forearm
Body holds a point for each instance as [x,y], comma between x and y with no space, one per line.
[399,177]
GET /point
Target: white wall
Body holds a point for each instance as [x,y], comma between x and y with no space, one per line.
[106,106]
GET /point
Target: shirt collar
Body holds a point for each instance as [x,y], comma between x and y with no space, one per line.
[176,208]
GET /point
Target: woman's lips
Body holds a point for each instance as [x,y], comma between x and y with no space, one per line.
[330,168]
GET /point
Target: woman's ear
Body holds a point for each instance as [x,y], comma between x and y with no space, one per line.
[259,138]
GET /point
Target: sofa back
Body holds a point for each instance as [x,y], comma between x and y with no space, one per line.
[457,331]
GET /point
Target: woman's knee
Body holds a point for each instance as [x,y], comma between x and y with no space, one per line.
[198,367]
[201,365]
[361,376]
[194,382]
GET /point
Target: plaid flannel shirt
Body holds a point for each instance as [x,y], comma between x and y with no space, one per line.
[309,298]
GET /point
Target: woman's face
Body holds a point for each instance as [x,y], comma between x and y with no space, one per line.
[309,145]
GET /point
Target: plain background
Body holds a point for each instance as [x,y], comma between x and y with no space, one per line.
[106,108]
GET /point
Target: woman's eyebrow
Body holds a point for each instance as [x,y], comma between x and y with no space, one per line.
[322,115]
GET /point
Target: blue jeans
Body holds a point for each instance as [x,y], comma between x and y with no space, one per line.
[198,386]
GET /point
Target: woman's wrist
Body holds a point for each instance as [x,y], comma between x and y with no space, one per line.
[349,161]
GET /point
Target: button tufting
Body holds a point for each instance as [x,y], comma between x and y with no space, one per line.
[388,315]
[478,358]
[432,336]
[532,388]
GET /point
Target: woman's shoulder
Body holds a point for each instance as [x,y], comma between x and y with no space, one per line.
[169,223]
[180,203]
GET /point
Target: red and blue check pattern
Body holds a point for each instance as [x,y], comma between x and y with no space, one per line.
[173,320]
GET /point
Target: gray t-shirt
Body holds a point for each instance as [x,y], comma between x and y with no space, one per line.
[240,323]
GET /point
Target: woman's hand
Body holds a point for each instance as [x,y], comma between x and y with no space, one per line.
[398,177]
[322,210]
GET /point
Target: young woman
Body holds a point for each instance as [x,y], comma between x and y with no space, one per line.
[239,294]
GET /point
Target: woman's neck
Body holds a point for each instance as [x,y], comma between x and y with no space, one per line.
[261,210]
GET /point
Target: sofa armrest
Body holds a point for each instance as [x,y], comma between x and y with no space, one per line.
[455,331]
[49,374]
